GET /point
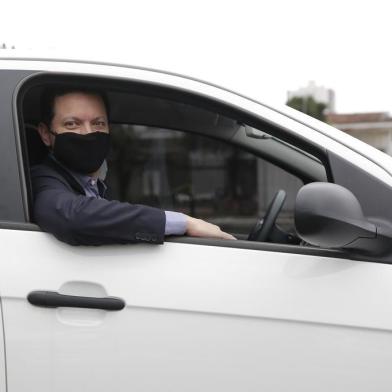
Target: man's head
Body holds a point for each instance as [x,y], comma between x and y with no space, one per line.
[75,126]
[72,110]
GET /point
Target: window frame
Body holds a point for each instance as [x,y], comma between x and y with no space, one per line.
[34,79]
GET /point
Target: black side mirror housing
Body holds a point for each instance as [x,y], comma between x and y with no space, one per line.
[330,216]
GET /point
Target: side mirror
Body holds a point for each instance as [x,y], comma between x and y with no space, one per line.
[330,216]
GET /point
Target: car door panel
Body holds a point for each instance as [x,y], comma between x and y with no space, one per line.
[196,317]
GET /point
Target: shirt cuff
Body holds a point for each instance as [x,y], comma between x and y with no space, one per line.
[175,223]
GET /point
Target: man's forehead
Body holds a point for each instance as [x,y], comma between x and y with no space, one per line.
[77,96]
[79,102]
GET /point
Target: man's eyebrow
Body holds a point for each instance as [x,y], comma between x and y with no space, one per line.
[67,118]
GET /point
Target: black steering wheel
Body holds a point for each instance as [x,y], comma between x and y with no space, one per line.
[263,228]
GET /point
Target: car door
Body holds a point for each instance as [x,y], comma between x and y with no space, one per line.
[198,315]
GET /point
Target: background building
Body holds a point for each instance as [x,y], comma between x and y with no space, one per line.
[319,94]
[372,128]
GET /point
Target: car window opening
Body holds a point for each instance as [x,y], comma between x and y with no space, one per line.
[185,158]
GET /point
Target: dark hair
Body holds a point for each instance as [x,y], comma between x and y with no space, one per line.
[50,93]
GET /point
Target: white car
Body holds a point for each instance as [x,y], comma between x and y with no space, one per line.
[304,304]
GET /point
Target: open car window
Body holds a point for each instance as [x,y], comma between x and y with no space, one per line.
[184,153]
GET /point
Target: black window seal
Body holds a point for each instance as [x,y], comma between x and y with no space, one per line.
[275,248]
[24,226]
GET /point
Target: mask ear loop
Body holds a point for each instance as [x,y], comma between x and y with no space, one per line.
[51,148]
[52,132]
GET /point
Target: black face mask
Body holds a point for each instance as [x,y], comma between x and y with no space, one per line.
[81,153]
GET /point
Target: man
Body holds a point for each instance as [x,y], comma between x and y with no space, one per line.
[68,193]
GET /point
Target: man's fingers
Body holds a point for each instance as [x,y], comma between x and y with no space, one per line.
[200,228]
[227,236]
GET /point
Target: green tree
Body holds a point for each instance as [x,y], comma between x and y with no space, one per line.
[309,106]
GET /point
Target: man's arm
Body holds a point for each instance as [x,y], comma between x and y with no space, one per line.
[81,220]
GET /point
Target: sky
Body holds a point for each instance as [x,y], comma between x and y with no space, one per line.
[258,48]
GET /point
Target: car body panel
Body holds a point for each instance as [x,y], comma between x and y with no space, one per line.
[248,306]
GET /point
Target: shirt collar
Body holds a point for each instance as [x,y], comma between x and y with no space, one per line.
[84,180]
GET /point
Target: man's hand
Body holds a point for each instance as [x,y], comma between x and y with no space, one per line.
[199,228]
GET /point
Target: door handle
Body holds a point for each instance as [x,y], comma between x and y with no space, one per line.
[52,299]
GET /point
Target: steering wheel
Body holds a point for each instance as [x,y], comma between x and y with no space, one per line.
[263,228]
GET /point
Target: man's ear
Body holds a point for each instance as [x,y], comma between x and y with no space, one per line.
[43,131]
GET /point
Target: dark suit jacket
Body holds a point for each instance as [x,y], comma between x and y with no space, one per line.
[62,208]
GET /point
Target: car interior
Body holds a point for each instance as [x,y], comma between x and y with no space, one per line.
[180,151]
